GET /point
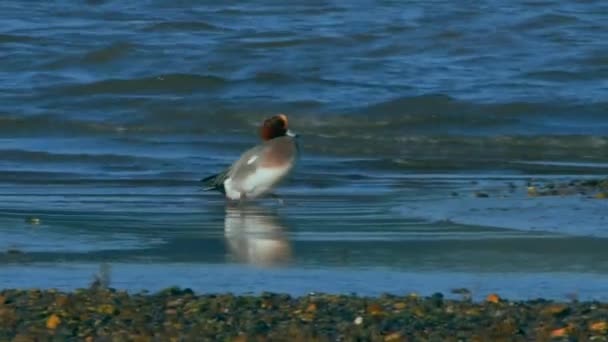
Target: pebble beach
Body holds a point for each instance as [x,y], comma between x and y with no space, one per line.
[176,314]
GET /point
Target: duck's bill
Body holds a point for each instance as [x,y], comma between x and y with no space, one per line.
[291,133]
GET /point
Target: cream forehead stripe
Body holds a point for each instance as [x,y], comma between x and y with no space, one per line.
[284,118]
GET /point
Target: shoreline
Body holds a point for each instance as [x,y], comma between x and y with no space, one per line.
[177,314]
[242,279]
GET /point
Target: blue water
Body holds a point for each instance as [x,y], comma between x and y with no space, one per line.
[111,112]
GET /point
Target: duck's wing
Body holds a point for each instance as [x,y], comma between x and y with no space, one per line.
[247,163]
[216,182]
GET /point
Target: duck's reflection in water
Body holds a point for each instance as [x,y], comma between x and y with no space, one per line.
[256,236]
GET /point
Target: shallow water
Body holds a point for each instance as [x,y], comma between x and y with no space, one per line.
[110,113]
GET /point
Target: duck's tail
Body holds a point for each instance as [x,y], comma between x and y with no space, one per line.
[215,182]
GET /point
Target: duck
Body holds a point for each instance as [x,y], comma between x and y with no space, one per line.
[261,168]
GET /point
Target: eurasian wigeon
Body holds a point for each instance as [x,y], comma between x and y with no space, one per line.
[260,168]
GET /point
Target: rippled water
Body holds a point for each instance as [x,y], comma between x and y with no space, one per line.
[110,113]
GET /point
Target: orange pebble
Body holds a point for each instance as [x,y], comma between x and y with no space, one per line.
[53,321]
[599,326]
[374,309]
[493,298]
[312,307]
[561,332]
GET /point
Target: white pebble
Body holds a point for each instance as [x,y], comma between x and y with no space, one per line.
[358,320]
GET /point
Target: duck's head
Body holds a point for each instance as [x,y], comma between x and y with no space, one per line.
[275,127]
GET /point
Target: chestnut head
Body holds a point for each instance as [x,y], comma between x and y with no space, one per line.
[275,127]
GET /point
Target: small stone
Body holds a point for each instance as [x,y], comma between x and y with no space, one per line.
[493,298]
[358,320]
[591,182]
[561,332]
[307,317]
[312,307]
[601,195]
[600,327]
[436,299]
[53,322]
[140,338]
[399,305]
[556,310]
[61,300]
[24,338]
[472,312]
[106,309]
[419,312]
[461,290]
[266,304]
[393,337]
[375,309]
[175,303]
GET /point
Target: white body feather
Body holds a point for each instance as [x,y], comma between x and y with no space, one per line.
[256,184]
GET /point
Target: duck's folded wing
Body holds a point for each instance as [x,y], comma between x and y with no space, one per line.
[248,163]
[215,182]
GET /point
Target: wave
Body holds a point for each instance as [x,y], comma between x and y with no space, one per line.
[440,104]
[271,43]
[180,26]
[49,125]
[546,20]
[167,83]
[77,178]
[462,149]
[81,158]
[105,54]
[108,53]
[564,76]
[523,117]
[427,115]
[15,38]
